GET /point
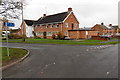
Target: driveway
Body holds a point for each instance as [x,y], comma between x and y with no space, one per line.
[65,61]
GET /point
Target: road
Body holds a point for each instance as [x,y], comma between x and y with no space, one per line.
[65,61]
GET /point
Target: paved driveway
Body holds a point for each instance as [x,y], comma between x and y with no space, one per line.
[65,61]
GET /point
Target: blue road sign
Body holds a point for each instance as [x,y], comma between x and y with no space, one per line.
[9,24]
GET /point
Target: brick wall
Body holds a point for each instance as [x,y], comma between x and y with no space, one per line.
[98,38]
[79,34]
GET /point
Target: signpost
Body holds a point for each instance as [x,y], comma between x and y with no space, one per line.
[7,24]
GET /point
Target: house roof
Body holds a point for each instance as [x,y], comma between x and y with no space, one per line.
[102,26]
[52,18]
[115,27]
[83,30]
[29,22]
[107,27]
[15,30]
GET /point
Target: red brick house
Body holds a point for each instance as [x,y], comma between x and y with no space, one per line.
[102,29]
[48,25]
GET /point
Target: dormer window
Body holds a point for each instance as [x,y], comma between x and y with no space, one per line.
[51,26]
[40,26]
[57,25]
[46,25]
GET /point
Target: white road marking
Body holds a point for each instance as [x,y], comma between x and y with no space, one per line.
[87,50]
[108,73]
[54,63]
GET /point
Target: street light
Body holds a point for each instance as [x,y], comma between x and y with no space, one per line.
[21,4]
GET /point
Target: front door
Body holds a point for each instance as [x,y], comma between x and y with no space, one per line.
[44,35]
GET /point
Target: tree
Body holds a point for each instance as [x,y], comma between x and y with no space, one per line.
[11,9]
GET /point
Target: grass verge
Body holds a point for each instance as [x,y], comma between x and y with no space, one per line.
[15,54]
[66,42]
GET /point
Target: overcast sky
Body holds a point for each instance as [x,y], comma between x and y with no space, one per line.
[88,12]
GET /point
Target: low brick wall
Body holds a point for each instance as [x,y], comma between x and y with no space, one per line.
[115,36]
[98,38]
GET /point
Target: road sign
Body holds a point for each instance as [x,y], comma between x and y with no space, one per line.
[9,24]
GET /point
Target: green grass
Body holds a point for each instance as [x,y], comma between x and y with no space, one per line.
[15,53]
[67,42]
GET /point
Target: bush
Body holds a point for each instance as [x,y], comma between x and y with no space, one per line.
[60,36]
[53,36]
[15,36]
[36,37]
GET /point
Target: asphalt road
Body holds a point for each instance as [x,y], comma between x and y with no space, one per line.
[65,61]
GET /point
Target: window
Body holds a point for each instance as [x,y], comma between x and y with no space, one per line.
[36,26]
[66,33]
[66,24]
[46,25]
[51,25]
[40,26]
[49,33]
[76,25]
[39,33]
[57,25]
[86,32]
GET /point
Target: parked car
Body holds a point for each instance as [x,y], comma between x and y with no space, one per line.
[4,38]
[67,38]
[117,34]
[4,34]
[106,36]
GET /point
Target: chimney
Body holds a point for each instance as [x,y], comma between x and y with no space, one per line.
[102,23]
[69,9]
[44,15]
[110,25]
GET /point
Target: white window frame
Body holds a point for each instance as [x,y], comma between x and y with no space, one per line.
[67,33]
[47,26]
[66,24]
[39,33]
[49,33]
[36,26]
[57,25]
[76,25]
[41,25]
[51,26]
[86,32]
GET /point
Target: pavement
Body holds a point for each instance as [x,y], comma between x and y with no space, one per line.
[65,61]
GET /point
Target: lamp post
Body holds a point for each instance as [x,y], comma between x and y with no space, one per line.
[23,23]
[7,38]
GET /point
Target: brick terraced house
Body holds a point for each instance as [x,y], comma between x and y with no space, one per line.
[105,29]
[48,25]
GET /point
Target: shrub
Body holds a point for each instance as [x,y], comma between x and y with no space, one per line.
[53,36]
[36,37]
[60,36]
[15,36]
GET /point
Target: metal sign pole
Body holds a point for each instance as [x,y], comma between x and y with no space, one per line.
[7,39]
